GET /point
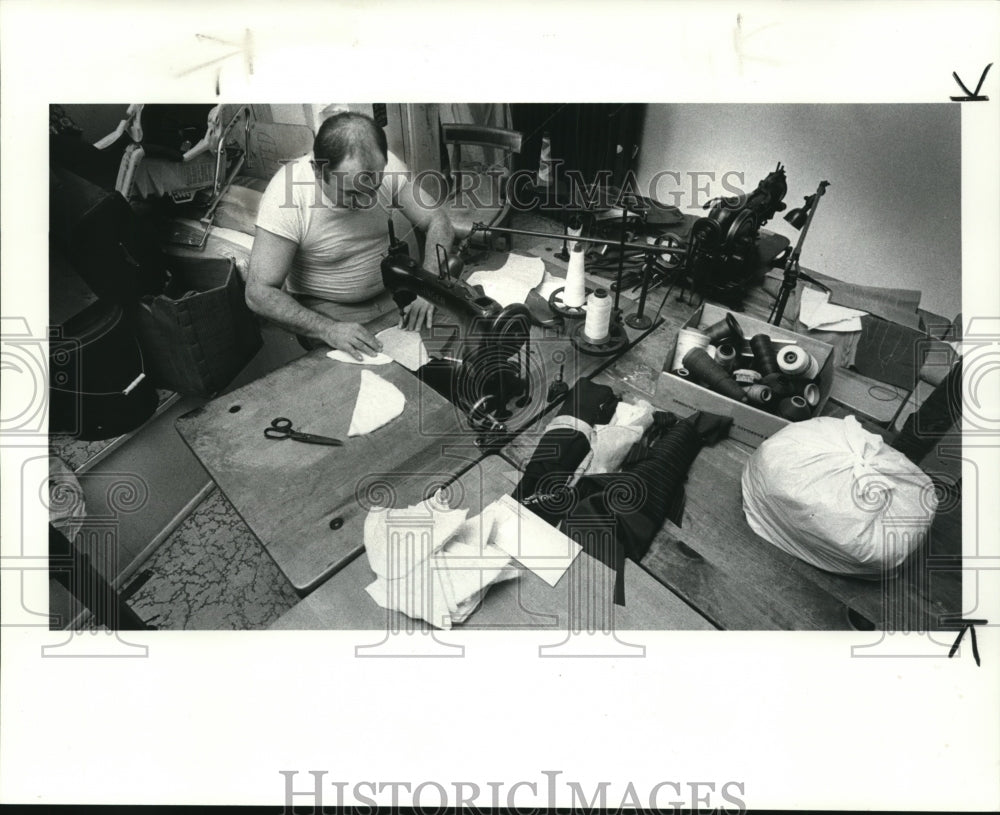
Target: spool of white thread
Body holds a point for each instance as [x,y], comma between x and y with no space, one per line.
[688,338]
[598,316]
[573,233]
[813,370]
[811,394]
[576,284]
[793,360]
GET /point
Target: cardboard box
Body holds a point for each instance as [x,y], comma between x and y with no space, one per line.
[750,424]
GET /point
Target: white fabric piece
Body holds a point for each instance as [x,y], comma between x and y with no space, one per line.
[511,282]
[639,414]
[379,402]
[531,541]
[817,312]
[836,496]
[610,445]
[406,347]
[433,563]
[611,442]
[342,356]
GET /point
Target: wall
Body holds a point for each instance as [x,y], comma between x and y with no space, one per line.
[96,121]
[891,216]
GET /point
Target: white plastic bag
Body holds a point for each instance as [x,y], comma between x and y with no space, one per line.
[838,497]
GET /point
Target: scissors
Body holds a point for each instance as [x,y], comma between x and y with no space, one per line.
[281,428]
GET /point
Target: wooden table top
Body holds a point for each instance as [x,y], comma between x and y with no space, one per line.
[581,600]
[288,492]
[737,579]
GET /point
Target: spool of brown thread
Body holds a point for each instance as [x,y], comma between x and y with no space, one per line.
[706,371]
[725,355]
[794,408]
[727,329]
[780,385]
[759,395]
[764,357]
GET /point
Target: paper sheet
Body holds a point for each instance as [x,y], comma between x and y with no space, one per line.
[512,281]
[406,347]
[531,541]
[342,356]
[817,312]
[379,402]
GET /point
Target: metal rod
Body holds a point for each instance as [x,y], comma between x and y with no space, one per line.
[640,247]
[792,272]
[621,257]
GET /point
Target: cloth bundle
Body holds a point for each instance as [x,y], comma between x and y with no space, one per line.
[433,563]
[615,509]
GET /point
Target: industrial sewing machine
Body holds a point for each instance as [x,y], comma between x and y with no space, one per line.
[481,369]
[722,257]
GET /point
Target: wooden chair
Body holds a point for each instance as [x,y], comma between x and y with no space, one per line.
[479,177]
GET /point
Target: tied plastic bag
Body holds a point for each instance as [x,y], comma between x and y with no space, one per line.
[838,497]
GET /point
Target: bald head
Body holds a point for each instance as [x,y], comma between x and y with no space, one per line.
[350,136]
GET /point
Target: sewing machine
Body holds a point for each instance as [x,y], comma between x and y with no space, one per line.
[481,369]
[722,246]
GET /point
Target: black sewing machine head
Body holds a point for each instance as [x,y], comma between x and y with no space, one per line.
[722,247]
[481,369]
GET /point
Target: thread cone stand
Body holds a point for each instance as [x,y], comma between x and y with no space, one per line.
[616,340]
[557,305]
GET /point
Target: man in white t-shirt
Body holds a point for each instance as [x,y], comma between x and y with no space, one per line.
[322,230]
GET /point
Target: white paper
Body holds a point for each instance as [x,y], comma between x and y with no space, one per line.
[379,402]
[531,541]
[511,282]
[817,312]
[342,356]
[406,347]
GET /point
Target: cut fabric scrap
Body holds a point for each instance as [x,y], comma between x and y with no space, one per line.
[405,347]
[511,282]
[342,356]
[611,442]
[379,402]
[531,541]
[433,563]
[816,312]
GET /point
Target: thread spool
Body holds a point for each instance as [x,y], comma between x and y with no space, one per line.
[725,355]
[780,385]
[793,408]
[764,357]
[813,370]
[574,232]
[575,290]
[706,371]
[726,329]
[746,376]
[688,338]
[810,392]
[598,321]
[794,360]
[759,395]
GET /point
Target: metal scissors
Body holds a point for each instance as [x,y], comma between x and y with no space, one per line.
[281,428]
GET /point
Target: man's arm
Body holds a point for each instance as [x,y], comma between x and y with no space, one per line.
[437,226]
[270,262]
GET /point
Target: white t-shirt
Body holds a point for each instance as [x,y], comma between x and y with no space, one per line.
[339,249]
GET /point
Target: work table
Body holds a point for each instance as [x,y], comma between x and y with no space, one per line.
[307,504]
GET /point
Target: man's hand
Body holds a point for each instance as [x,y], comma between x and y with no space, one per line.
[353,339]
[417,314]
